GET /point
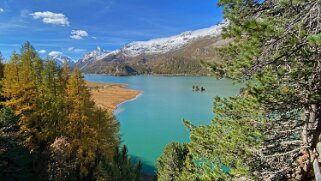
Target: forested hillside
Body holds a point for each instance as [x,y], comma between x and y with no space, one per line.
[50,128]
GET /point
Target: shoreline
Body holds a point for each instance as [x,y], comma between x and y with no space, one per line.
[111,95]
[159,75]
[129,100]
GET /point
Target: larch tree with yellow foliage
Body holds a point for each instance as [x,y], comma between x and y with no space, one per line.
[53,104]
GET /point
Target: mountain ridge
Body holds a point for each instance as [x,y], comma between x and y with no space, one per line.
[175,55]
[60,59]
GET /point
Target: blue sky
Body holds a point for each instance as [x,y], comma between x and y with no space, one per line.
[79,26]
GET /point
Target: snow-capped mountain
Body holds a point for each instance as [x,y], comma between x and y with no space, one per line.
[164,45]
[60,59]
[93,56]
[180,54]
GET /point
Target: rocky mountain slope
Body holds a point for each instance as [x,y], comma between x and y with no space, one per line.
[176,55]
[97,54]
[60,59]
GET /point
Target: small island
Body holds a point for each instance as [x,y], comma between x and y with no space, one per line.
[197,88]
[109,95]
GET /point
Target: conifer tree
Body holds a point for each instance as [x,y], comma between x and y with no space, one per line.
[272,130]
[1,66]
[121,167]
[64,74]
[15,162]
[1,76]
[275,48]
[107,129]
[225,149]
[56,115]
[10,83]
[171,164]
[79,129]
[20,89]
[277,44]
[50,104]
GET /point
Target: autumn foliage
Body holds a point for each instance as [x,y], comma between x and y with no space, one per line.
[58,123]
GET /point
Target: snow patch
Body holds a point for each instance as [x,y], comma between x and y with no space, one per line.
[164,45]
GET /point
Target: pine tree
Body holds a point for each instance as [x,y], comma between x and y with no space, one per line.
[171,164]
[279,50]
[120,168]
[272,130]
[225,149]
[275,48]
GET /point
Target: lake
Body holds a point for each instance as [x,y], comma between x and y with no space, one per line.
[154,119]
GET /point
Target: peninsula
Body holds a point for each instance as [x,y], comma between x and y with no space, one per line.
[109,95]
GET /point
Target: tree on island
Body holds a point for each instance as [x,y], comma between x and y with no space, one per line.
[197,88]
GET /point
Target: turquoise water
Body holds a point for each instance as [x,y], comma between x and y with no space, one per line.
[154,119]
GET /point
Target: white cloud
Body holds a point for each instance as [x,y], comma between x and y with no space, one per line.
[48,17]
[1,10]
[94,37]
[54,53]
[76,50]
[42,51]
[78,34]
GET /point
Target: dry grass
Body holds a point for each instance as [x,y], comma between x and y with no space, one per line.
[109,95]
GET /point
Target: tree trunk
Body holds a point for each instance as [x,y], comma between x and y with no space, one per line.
[310,137]
[316,169]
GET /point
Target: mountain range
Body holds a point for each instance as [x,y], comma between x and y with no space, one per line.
[175,55]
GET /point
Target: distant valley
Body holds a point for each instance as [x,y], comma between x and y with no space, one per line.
[176,55]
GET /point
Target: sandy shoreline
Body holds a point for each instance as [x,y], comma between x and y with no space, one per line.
[110,95]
